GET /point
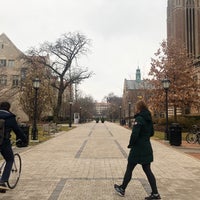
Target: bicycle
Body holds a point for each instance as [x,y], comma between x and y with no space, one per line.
[15,171]
[193,135]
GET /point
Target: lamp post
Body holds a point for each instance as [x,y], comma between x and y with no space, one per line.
[80,114]
[120,115]
[36,85]
[70,114]
[166,83]
[129,114]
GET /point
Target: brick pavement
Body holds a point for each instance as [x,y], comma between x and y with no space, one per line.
[84,163]
[190,149]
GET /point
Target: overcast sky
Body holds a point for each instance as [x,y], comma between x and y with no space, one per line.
[125,34]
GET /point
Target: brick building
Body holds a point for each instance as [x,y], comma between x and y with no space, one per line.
[133,91]
[101,109]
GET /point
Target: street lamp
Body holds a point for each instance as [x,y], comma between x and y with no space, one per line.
[36,85]
[70,114]
[129,114]
[80,114]
[120,115]
[166,83]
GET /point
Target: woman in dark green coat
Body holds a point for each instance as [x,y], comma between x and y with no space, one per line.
[140,150]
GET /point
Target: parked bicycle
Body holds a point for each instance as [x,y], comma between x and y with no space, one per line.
[193,135]
[15,172]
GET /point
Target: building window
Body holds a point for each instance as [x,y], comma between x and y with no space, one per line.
[190,2]
[11,63]
[3,80]
[15,80]
[1,46]
[2,62]
[178,2]
[23,73]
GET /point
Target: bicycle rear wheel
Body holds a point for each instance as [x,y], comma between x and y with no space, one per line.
[191,138]
[15,172]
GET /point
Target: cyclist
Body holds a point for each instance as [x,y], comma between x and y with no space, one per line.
[9,124]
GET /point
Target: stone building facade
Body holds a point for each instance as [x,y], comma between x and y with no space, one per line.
[12,71]
[183,24]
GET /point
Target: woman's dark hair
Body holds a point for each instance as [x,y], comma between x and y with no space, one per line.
[5,105]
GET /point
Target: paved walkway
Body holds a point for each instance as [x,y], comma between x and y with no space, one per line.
[84,163]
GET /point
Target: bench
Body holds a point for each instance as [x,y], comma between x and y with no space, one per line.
[50,128]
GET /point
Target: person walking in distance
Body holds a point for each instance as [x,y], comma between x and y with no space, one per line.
[8,123]
[140,150]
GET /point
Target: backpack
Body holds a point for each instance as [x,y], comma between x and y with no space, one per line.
[2,130]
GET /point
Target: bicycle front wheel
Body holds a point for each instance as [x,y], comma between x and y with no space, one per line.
[191,138]
[15,172]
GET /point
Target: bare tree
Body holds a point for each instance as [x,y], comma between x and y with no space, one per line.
[87,105]
[62,63]
[115,102]
[173,62]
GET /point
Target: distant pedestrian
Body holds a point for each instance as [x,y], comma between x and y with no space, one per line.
[8,123]
[140,150]
[123,122]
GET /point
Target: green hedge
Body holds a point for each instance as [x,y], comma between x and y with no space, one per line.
[185,122]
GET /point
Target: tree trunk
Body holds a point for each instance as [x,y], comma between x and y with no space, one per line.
[58,106]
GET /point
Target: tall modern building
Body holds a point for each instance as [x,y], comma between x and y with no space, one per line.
[183,24]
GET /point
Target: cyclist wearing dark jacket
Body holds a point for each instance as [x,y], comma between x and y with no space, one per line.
[10,124]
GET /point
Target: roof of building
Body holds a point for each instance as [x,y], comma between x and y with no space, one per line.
[136,85]
[5,40]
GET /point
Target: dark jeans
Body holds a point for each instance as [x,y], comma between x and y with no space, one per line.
[147,170]
[7,154]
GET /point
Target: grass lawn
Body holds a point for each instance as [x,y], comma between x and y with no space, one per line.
[41,136]
[161,135]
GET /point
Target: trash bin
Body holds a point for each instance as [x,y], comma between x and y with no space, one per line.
[25,129]
[175,134]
